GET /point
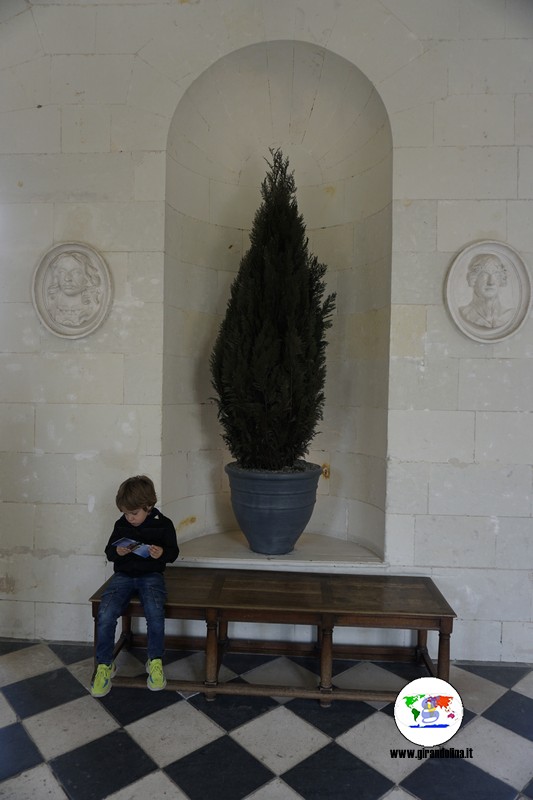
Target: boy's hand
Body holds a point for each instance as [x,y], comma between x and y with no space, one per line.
[123,551]
[156,551]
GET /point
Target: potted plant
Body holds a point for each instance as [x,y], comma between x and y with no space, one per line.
[268,368]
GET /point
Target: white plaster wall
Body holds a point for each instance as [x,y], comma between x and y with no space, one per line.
[87,94]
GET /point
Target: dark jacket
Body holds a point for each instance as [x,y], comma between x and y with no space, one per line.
[156,529]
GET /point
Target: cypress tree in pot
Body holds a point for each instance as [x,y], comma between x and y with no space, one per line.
[268,367]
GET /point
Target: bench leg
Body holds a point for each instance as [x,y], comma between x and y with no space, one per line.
[443,658]
[326,666]
[211,653]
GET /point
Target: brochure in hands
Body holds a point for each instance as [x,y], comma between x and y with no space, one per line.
[138,548]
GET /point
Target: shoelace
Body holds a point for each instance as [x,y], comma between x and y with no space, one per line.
[156,671]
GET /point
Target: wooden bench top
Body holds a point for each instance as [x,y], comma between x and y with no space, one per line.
[314,593]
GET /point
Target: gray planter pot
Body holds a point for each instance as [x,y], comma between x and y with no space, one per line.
[273,508]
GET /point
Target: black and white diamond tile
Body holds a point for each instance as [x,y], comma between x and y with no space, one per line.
[59,743]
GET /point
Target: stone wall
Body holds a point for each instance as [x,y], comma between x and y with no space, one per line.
[439,426]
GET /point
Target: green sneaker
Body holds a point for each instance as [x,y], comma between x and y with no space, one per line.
[101,683]
[156,677]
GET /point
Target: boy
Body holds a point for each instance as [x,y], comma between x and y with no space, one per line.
[142,522]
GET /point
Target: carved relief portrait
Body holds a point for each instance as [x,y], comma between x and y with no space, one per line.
[72,290]
[488,291]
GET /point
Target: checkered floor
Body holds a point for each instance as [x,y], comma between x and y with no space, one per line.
[56,741]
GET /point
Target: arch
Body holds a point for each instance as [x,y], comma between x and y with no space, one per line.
[328,118]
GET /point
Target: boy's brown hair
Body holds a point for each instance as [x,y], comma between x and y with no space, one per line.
[136,492]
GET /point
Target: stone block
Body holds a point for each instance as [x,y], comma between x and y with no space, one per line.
[517,641]
[66,29]
[85,129]
[525,173]
[408,329]
[415,226]
[504,436]
[431,436]
[491,66]
[460,542]
[399,540]
[18,619]
[113,226]
[463,120]
[423,383]
[462,221]
[64,622]
[17,422]
[480,490]
[20,40]
[490,595]
[487,384]
[37,478]
[67,178]
[407,488]
[128,430]
[31,130]
[18,525]
[464,173]
[520,232]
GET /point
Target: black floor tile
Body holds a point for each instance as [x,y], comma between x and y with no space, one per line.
[310,663]
[528,790]
[506,675]
[71,653]
[439,779]
[342,664]
[513,711]
[34,695]
[102,767]
[231,711]
[333,772]
[221,770]
[128,705]
[17,752]
[240,663]
[10,646]
[335,720]
[169,656]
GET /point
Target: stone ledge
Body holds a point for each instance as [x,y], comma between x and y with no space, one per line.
[313,552]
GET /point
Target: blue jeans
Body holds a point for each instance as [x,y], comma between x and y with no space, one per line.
[115,598]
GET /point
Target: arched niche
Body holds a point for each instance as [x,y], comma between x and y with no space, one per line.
[330,121]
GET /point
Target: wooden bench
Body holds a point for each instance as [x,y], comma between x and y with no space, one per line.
[325,601]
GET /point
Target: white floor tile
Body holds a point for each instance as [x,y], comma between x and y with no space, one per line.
[83,671]
[397,794]
[367,675]
[73,724]
[173,732]
[282,672]
[7,715]
[498,751]
[27,663]
[32,785]
[477,693]
[155,786]
[275,790]
[525,686]
[128,665]
[192,668]
[280,739]
[372,740]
